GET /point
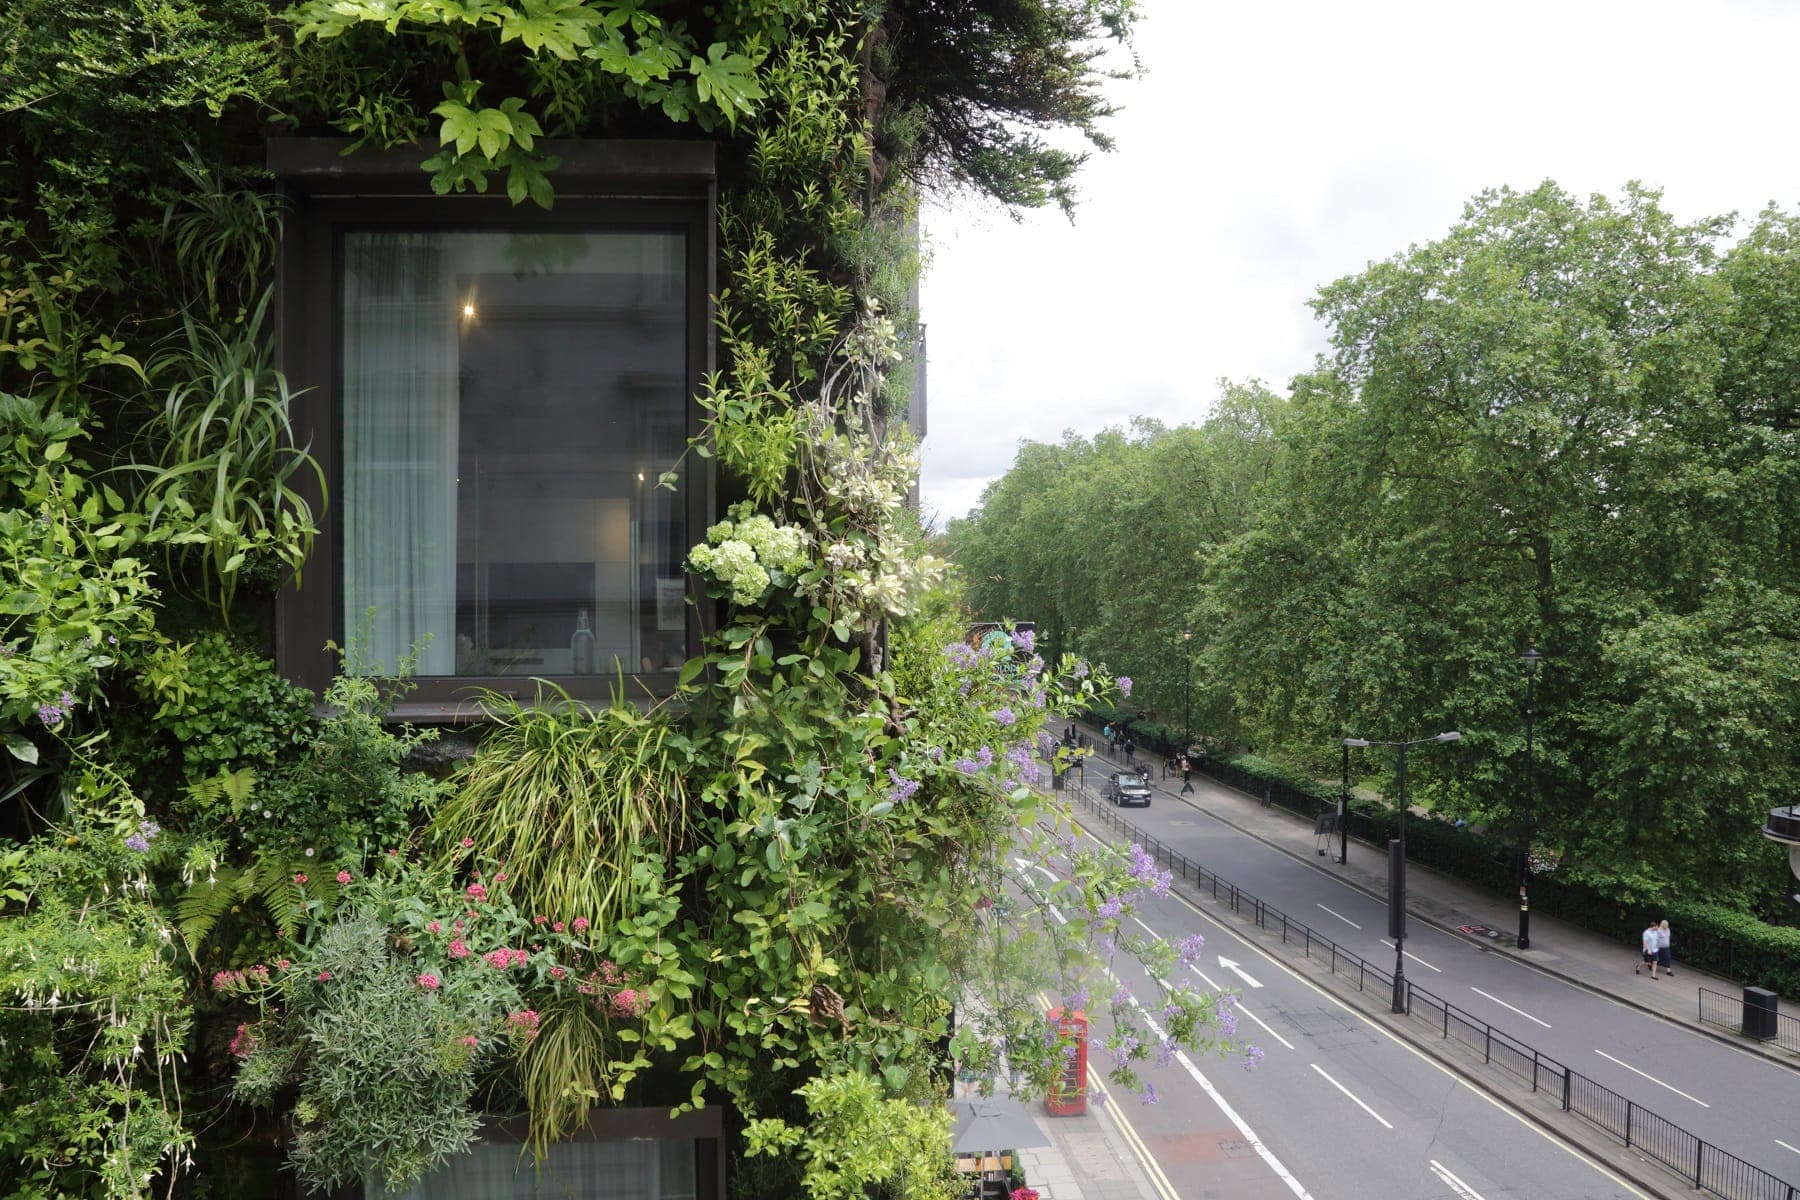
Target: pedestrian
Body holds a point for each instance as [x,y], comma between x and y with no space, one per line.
[1187,784]
[1662,949]
[1130,751]
[1649,939]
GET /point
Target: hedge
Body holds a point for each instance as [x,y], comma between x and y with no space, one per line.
[1708,936]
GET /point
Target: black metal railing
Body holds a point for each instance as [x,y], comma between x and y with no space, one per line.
[1727,1012]
[1700,1163]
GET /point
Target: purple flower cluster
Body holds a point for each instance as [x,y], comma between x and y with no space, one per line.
[1110,908]
[1124,685]
[1025,640]
[1004,716]
[1253,1056]
[140,841]
[54,713]
[1081,669]
[1020,757]
[1148,1096]
[903,787]
[1143,868]
[1188,948]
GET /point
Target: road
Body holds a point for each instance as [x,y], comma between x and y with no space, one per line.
[1731,1098]
[1339,1109]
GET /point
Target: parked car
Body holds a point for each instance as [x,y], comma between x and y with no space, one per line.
[1128,787]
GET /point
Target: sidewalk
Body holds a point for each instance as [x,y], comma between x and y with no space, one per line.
[1558,948]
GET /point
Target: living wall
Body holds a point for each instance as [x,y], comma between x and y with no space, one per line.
[242,939]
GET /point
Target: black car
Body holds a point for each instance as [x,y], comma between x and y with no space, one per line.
[1128,787]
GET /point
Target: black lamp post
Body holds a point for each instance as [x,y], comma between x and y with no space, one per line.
[1397,858]
[1343,813]
[1531,658]
[1187,691]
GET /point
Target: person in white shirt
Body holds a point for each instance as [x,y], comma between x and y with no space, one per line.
[1649,940]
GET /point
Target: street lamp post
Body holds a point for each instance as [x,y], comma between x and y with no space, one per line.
[1343,813]
[1530,658]
[1187,691]
[1396,879]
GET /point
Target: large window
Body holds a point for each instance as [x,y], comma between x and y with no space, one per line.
[495,393]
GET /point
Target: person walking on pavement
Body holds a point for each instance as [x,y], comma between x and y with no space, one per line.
[1649,943]
[1130,751]
[1187,784]
[1662,950]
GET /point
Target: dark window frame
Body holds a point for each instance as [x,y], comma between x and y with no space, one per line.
[644,184]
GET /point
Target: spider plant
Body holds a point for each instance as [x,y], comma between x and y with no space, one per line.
[227,475]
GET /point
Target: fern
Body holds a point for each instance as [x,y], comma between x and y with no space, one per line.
[235,786]
[272,879]
[206,901]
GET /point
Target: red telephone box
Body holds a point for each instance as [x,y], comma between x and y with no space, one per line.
[1068,1094]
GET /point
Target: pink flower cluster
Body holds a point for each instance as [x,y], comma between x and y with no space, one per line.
[476,891]
[1024,1193]
[430,982]
[611,990]
[502,958]
[524,1022]
[245,1043]
[458,948]
[236,981]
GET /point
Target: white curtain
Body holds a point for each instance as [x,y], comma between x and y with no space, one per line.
[400,418]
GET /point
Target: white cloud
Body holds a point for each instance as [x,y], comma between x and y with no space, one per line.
[1275,147]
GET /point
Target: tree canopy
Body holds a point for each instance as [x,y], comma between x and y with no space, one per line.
[1566,423]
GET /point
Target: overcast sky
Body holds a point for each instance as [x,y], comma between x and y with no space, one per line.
[1275,146]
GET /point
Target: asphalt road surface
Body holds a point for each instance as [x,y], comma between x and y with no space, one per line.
[1339,1108]
[1733,1099]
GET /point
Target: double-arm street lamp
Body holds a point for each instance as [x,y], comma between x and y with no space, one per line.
[1531,658]
[1397,859]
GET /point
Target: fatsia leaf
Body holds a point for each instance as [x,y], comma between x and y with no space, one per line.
[561,27]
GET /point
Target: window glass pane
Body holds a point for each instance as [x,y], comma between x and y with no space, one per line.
[509,401]
[635,1169]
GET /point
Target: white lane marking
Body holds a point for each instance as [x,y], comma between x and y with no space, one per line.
[1340,1087]
[1504,1004]
[1340,916]
[1404,1046]
[1242,974]
[1456,1185]
[1785,1146]
[1110,1111]
[1249,1134]
[1241,1007]
[1413,956]
[1652,1079]
[1215,987]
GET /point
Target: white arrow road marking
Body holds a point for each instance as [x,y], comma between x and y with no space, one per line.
[1340,916]
[1412,956]
[1238,971]
[1240,1007]
[1340,1087]
[1504,1004]
[1456,1185]
[1025,865]
[1652,1078]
